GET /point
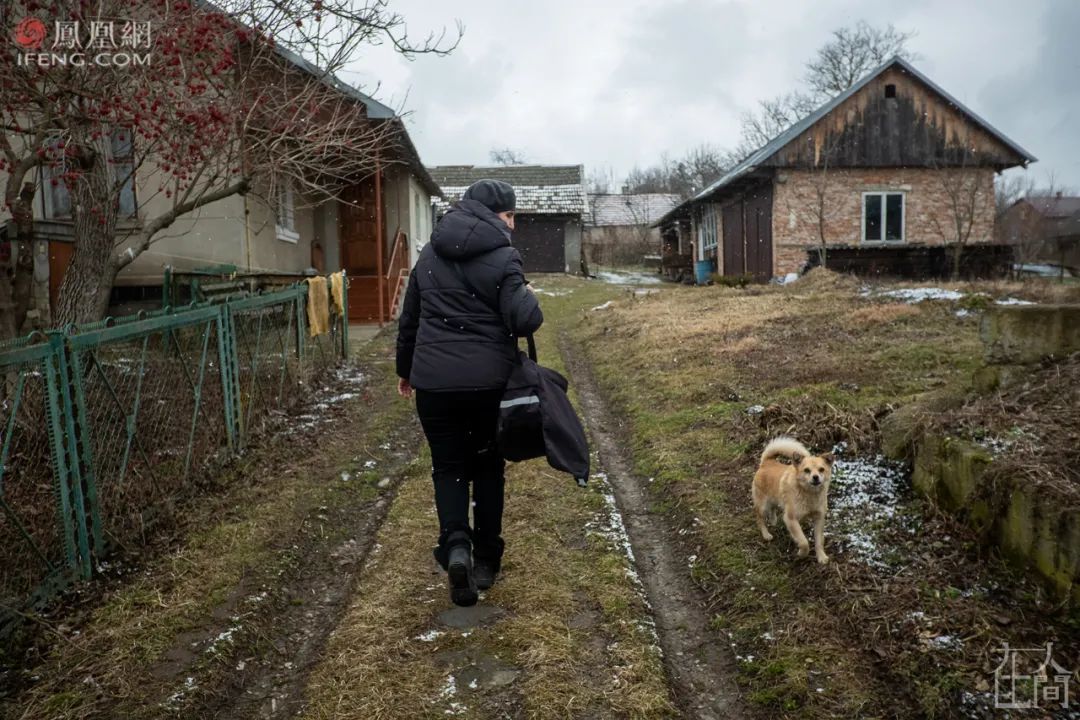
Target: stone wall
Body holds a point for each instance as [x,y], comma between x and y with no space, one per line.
[928,215]
[1034,527]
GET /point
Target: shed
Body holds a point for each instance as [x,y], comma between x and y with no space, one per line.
[551,208]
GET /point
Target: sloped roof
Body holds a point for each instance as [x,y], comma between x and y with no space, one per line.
[1055,207]
[759,156]
[540,189]
[375,110]
[631,209]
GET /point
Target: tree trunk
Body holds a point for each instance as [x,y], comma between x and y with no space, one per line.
[87,284]
[956,261]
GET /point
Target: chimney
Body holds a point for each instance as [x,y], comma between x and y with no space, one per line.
[626,189]
[1058,193]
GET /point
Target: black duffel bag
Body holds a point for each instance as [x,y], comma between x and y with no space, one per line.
[536,419]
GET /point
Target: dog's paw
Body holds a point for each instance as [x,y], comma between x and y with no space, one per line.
[767,535]
[823,559]
[804,550]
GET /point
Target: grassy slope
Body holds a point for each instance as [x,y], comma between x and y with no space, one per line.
[574,626]
[684,367]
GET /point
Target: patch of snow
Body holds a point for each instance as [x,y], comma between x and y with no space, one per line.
[755,409]
[788,279]
[1012,301]
[605,306]
[917,295]
[865,495]
[609,525]
[945,642]
[345,476]
[370,464]
[552,293]
[628,278]
[962,313]
[429,636]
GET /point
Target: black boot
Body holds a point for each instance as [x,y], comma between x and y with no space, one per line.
[484,573]
[459,569]
[487,558]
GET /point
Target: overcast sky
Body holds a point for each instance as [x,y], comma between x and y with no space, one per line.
[617,83]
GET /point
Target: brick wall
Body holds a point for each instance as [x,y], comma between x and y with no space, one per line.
[928,215]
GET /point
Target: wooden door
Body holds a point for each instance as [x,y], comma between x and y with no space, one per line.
[758,219]
[59,258]
[358,229]
[734,256]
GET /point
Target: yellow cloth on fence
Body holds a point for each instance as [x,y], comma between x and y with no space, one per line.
[337,291]
[318,306]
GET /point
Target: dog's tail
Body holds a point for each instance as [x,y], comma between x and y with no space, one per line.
[783,447]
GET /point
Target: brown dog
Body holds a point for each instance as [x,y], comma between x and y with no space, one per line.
[800,489]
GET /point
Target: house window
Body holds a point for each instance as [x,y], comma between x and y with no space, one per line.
[121,162]
[286,213]
[707,229]
[883,217]
[123,165]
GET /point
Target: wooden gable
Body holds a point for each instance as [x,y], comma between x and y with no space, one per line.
[896,120]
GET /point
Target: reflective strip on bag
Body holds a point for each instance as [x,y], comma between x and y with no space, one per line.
[530,400]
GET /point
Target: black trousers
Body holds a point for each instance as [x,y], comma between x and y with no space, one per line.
[460,429]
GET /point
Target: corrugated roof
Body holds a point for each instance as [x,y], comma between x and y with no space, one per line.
[607,209]
[540,189]
[767,150]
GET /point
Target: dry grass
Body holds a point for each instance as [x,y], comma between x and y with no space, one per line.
[703,376]
[574,626]
[126,653]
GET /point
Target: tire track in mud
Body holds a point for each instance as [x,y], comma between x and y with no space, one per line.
[699,665]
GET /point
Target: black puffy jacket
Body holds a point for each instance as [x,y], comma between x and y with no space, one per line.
[448,337]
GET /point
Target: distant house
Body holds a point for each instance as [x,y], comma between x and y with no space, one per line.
[1045,231]
[618,229]
[892,164]
[551,208]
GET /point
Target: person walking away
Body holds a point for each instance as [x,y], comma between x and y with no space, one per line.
[466,305]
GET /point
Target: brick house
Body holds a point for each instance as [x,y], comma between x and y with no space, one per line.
[1045,231]
[551,208]
[891,163]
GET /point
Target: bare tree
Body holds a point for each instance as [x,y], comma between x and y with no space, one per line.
[507,156]
[822,207]
[968,192]
[600,180]
[851,53]
[231,98]
[846,57]
[686,176]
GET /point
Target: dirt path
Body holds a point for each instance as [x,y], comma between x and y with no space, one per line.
[700,667]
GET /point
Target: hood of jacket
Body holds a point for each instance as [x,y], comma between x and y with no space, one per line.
[469,229]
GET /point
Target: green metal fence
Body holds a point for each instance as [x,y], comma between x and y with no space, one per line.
[105,428]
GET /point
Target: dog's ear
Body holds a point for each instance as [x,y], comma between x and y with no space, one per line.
[828,458]
[797,458]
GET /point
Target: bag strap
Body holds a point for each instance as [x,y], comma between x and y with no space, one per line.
[472,288]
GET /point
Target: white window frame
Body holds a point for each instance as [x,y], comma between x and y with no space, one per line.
[707,229]
[903,217]
[285,214]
